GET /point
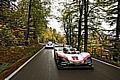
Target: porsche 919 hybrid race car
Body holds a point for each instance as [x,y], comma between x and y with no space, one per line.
[66,58]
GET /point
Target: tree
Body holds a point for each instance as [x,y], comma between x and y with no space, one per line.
[84,7]
[16,18]
[70,20]
[118,21]
[6,21]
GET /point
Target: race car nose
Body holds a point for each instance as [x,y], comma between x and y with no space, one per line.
[75,58]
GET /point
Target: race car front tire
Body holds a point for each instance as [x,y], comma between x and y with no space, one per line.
[92,67]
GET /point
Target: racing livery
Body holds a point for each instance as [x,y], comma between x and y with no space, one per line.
[72,58]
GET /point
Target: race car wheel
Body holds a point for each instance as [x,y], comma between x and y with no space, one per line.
[58,64]
[55,58]
[92,67]
[59,67]
[58,61]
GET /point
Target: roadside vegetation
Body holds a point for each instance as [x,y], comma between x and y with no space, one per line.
[23,27]
[12,57]
[84,23]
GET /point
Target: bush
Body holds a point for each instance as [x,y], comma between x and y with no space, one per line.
[14,54]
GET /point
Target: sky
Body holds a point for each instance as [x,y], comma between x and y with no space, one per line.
[55,8]
[54,23]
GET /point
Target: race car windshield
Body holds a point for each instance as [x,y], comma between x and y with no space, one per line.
[72,49]
[65,49]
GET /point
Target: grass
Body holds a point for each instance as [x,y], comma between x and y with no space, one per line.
[3,66]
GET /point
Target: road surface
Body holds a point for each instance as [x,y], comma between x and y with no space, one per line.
[43,67]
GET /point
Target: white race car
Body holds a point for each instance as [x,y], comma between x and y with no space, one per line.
[49,45]
[71,58]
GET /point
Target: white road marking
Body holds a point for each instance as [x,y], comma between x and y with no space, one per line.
[11,75]
[106,63]
[53,54]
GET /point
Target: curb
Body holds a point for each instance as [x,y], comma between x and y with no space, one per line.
[106,63]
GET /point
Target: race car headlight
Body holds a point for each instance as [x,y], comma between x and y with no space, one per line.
[63,58]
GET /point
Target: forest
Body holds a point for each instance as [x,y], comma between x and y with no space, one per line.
[23,26]
[93,26]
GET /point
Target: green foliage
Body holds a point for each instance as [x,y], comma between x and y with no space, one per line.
[52,35]
[99,11]
[109,8]
[16,19]
[70,19]
[4,66]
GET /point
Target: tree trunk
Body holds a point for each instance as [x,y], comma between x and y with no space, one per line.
[66,31]
[118,22]
[28,24]
[85,24]
[79,27]
[1,12]
[70,29]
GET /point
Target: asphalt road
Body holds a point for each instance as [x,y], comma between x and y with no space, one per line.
[43,67]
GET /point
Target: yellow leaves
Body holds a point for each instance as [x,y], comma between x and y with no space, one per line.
[52,35]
